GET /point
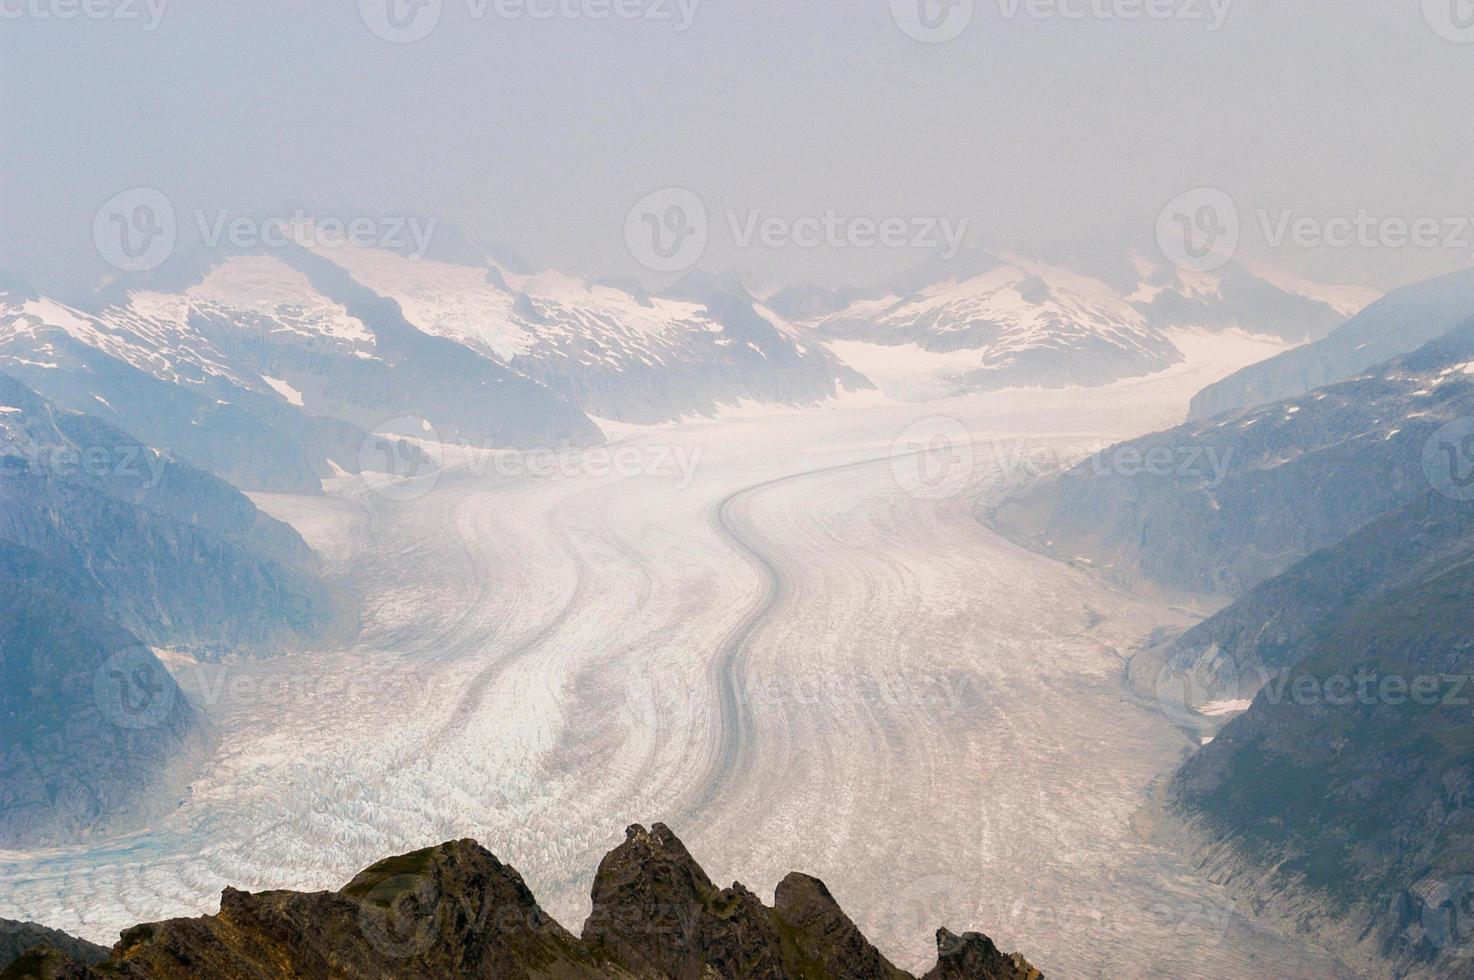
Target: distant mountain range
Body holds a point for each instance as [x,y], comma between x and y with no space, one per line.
[1067,318]
[272,368]
[456,912]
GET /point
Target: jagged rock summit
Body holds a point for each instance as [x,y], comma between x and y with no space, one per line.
[455,911]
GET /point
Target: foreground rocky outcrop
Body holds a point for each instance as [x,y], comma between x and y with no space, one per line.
[17,938]
[455,911]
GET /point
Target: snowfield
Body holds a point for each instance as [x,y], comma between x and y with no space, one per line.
[810,656]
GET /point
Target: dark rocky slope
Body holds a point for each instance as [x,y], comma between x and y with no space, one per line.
[108,551]
[1343,800]
[17,938]
[455,911]
[177,556]
[1231,655]
[93,730]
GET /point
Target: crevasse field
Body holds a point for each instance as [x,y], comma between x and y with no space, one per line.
[783,633]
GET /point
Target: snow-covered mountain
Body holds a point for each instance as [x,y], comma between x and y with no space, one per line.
[171,392]
[1073,316]
[1026,322]
[614,350]
[271,370]
[1400,322]
[1245,295]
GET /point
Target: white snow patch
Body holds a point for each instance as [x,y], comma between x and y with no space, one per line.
[1215,709]
[285,390]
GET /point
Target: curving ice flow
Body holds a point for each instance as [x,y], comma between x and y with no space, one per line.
[787,655]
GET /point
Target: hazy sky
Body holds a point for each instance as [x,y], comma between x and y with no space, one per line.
[542,133]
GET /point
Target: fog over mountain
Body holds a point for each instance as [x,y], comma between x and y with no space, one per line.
[541,133]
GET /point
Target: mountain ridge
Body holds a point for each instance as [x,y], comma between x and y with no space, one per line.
[456,911]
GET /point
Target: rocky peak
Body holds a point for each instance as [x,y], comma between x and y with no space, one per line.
[973,956]
[456,911]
